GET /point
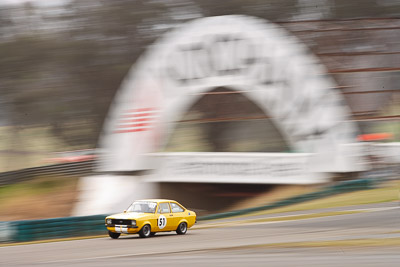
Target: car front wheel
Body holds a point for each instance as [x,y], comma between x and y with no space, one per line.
[182,228]
[113,235]
[145,231]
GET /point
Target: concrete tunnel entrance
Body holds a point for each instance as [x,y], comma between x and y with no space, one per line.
[206,198]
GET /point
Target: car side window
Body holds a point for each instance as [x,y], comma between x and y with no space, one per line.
[176,208]
[164,208]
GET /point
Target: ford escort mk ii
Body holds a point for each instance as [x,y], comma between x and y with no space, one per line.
[149,216]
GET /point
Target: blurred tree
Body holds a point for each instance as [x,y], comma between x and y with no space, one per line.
[365,8]
[271,9]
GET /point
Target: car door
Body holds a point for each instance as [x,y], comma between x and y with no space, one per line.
[178,212]
[164,217]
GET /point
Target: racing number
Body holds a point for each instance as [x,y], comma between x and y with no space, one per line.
[162,221]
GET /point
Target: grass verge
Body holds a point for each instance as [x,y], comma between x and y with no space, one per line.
[40,198]
[388,192]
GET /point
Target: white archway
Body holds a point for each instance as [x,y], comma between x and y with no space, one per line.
[264,62]
[258,58]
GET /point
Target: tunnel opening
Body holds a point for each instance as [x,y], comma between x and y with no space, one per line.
[223,120]
[205,198]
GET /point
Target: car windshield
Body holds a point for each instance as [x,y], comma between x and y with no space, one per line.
[143,207]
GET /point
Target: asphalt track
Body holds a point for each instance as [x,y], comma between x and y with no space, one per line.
[235,242]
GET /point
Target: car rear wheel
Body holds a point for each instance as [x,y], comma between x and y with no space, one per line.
[145,231]
[113,235]
[182,228]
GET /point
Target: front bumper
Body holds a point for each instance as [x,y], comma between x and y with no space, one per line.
[124,229]
[114,225]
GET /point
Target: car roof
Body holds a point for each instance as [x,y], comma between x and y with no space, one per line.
[157,200]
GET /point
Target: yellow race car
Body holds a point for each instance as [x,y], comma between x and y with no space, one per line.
[149,216]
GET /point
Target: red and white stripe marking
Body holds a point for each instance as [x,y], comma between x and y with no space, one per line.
[137,120]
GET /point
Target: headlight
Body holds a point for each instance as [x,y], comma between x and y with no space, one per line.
[109,221]
[133,222]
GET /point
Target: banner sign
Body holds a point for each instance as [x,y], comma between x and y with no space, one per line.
[259,168]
